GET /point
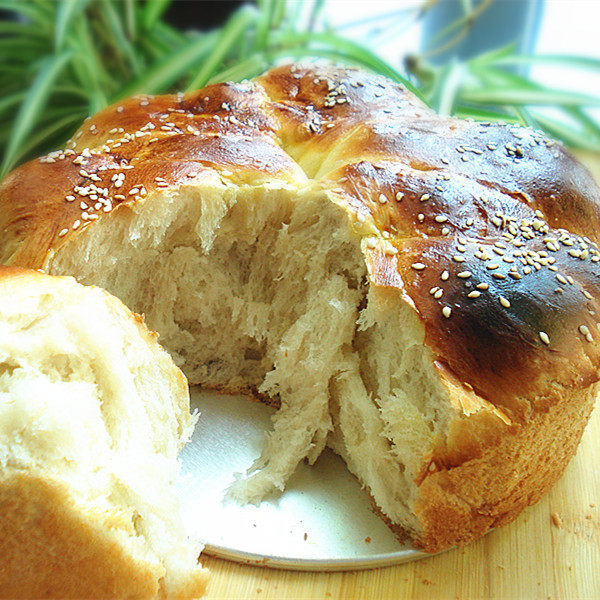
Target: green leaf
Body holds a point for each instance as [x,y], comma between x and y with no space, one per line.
[170,69]
[28,10]
[565,133]
[494,55]
[67,11]
[482,114]
[251,67]
[8,102]
[230,34]
[153,10]
[448,89]
[63,126]
[520,96]
[130,18]
[123,45]
[581,62]
[328,44]
[32,105]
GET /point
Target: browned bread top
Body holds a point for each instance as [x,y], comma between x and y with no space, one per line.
[488,230]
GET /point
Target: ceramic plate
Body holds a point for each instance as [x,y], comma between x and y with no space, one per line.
[323,521]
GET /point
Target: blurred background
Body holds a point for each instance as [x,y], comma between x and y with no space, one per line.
[536,62]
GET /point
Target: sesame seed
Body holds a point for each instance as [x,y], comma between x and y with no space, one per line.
[584,330]
[544,337]
[499,275]
[438,293]
[418,266]
[445,231]
[425,197]
[399,196]
[492,266]
[464,274]
[63,232]
[382,198]
[76,224]
[474,294]
[458,258]
[441,219]
[561,278]
[447,311]
[421,217]
[483,286]
[445,275]
[504,301]
[390,250]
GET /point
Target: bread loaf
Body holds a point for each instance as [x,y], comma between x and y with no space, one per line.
[92,415]
[420,293]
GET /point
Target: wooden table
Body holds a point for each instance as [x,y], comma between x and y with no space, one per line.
[552,551]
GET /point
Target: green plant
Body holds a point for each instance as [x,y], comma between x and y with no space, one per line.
[62,60]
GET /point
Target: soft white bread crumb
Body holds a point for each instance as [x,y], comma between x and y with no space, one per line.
[265,288]
[92,416]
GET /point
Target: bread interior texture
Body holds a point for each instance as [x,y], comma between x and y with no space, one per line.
[266,289]
[96,415]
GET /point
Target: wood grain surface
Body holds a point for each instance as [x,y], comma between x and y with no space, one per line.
[552,551]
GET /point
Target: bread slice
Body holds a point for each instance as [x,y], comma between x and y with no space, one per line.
[420,293]
[92,415]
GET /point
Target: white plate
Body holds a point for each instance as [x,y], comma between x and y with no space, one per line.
[323,521]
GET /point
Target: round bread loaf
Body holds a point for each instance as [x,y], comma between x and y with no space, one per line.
[92,415]
[419,293]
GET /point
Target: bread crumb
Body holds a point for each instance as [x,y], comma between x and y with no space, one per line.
[556,520]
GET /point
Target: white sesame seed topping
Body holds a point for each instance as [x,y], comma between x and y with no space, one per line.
[483,286]
[438,293]
[544,337]
[399,196]
[424,197]
[445,275]
[441,219]
[464,274]
[418,266]
[584,330]
[504,301]
[76,224]
[458,258]
[63,232]
[382,198]
[474,294]
[447,311]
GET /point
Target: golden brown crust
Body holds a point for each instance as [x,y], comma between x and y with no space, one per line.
[49,550]
[487,231]
[460,502]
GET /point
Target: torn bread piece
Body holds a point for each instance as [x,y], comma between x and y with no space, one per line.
[93,413]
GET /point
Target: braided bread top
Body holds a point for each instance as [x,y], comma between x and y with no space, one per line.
[488,230]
